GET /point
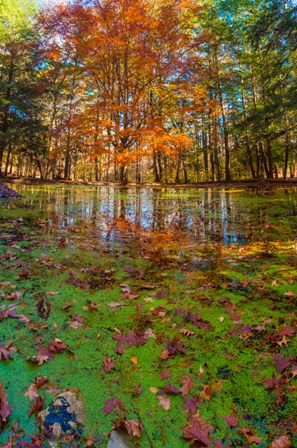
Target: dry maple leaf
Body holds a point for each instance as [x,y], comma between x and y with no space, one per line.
[108,364]
[188,384]
[43,356]
[198,430]
[281,362]
[164,401]
[111,404]
[33,390]
[281,442]
[133,428]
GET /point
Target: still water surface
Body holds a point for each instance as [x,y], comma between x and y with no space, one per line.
[226,215]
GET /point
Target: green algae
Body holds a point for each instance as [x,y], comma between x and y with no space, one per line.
[255,277]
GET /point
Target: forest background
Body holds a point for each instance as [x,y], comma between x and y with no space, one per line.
[148,90]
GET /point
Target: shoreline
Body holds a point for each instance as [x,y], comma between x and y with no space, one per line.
[262,183]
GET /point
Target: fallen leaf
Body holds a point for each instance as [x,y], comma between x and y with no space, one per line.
[164,401]
[137,390]
[232,420]
[249,435]
[91,306]
[206,392]
[281,363]
[36,405]
[6,351]
[134,360]
[198,430]
[108,364]
[5,408]
[191,404]
[57,346]
[33,390]
[154,390]
[281,442]
[111,404]
[187,331]
[133,428]
[188,384]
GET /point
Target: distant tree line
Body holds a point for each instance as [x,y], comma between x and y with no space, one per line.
[134,90]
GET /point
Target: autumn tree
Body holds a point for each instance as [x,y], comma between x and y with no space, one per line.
[128,58]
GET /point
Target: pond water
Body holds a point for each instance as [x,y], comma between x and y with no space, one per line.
[148,287]
[206,215]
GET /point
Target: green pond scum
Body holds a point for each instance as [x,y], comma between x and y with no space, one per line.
[178,306]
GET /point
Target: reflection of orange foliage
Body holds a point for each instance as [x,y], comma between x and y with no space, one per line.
[157,245]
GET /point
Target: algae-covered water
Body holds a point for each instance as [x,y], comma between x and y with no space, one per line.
[213,268]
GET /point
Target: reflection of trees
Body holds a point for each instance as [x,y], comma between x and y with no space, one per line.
[207,215]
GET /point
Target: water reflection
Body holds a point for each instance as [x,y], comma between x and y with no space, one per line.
[226,215]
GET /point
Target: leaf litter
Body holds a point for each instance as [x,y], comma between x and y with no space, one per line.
[220,323]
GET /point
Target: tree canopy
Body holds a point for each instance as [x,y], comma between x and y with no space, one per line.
[170,91]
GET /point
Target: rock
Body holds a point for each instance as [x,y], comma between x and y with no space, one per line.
[7,193]
[63,417]
[119,440]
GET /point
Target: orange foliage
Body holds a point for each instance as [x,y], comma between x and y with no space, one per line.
[128,58]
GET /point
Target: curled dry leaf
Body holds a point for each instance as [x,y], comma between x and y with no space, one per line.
[91,306]
[187,331]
